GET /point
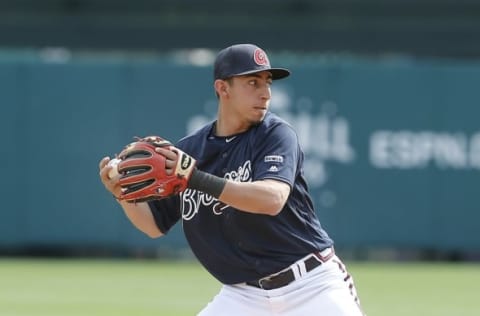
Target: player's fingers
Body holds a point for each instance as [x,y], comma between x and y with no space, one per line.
[103,162]
[103,173]
[111,184]
[167,153]
[169,164]
[170,159]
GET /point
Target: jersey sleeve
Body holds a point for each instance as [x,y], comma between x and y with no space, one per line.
[166,212]
[277,154]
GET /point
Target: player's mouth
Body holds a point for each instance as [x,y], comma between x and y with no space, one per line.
[260,108]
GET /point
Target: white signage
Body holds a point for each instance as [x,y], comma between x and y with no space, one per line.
[409,150]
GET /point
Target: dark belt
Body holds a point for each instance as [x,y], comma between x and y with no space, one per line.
[286,277]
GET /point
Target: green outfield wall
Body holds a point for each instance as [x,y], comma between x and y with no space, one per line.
[392,145]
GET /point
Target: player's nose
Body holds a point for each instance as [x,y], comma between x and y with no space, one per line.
[266,92]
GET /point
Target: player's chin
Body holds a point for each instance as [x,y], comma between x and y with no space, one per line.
[258,114]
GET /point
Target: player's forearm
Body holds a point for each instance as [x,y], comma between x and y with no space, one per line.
[260,197]
[142,218]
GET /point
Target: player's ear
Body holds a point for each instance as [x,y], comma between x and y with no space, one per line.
[221,87]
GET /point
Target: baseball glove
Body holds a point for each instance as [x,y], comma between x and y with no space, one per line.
[143,174]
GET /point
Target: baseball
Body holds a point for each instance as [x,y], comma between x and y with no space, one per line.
[114,171]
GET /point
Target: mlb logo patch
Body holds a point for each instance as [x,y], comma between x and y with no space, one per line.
[273,158]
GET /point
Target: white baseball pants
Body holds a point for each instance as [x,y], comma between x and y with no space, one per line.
[328,290]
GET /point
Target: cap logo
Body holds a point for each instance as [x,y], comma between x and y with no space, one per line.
[260,57]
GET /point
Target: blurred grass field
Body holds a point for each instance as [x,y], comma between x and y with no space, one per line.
[71,287]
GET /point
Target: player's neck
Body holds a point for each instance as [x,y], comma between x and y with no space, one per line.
[225,127]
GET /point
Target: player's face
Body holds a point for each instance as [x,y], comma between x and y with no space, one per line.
[250,96]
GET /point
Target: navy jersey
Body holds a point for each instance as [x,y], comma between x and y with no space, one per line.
[233,245]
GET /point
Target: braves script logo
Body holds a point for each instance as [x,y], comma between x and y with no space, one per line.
[193,200]
[260,58]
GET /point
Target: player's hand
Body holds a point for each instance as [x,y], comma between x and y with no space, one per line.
[171,159]
[111,184]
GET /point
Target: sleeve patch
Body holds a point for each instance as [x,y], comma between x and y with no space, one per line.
[274,158]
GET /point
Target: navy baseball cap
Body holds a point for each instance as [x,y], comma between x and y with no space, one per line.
[244,59]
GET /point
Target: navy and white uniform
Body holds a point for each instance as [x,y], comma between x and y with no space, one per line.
[237,247]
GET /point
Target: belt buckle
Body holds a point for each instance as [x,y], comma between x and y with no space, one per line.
[265,279]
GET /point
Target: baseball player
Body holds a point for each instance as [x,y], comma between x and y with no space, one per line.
[238,186]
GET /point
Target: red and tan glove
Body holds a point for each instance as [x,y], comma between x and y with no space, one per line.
[143,172]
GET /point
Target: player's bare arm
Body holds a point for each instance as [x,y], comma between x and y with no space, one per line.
[141,217]
[138,213]
[260,197]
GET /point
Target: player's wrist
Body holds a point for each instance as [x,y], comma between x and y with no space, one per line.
[207,183]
